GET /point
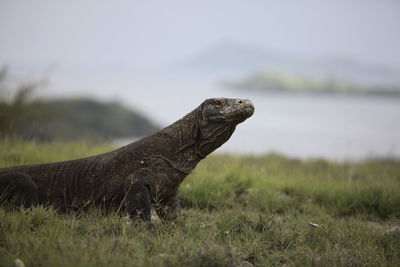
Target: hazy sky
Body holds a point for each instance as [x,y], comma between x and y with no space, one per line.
[149,34]
[110,49]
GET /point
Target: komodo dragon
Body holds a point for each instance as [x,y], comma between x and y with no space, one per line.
[148,171]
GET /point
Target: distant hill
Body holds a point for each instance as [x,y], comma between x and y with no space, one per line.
[232,56]
[243,58]
[289,83]
[69,119]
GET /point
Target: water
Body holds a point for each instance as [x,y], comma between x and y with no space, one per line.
[330,127]
[304,126]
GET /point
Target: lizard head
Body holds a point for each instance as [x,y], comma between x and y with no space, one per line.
[226,110]
[216,121]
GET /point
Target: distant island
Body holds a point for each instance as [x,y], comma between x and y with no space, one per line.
[24,116]
[291,83]
[267,70]
[238,58]
[72,119]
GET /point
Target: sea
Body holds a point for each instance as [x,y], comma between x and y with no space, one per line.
[334,127]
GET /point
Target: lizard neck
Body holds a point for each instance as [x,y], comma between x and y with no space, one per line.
[192,138]
[181,142]
[184,143]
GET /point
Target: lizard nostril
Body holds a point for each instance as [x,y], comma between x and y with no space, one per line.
[240,102]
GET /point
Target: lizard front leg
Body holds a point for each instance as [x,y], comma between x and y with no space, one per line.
[19,188]
[138,196]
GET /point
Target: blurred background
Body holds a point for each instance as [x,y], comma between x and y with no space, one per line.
[324,75]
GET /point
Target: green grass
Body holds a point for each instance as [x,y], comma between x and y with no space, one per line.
[236,210]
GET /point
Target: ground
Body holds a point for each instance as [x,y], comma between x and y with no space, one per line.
[265,210]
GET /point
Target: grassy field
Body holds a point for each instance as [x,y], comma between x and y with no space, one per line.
[237,211]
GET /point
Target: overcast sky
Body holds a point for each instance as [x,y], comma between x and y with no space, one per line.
[149,34]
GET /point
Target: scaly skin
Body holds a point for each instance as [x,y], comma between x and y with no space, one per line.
[146,172]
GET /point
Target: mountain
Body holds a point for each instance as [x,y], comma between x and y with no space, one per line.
[71,119]
[272,82]
[242,59]
[232,56]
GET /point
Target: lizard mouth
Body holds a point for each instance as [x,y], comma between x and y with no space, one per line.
[241,114]
[236,116]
